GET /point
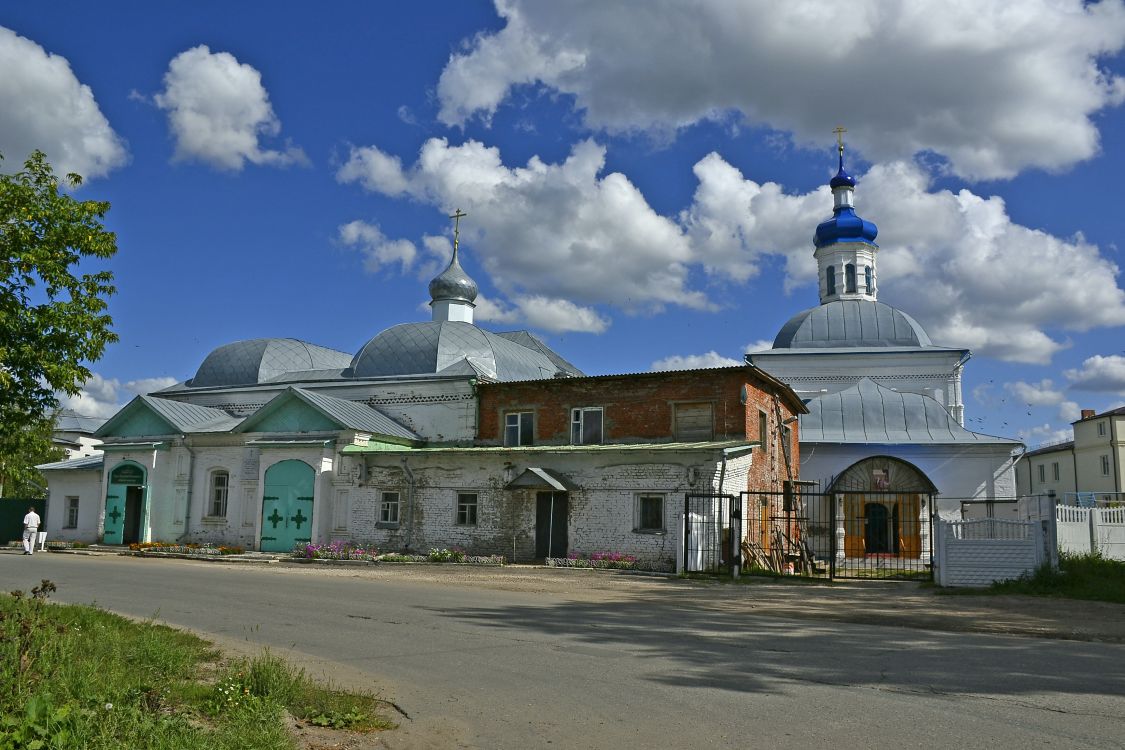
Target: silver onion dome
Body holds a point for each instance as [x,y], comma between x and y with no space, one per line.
[453,283]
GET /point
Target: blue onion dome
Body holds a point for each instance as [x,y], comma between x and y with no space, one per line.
[842,178]
[453,283]
[845,226]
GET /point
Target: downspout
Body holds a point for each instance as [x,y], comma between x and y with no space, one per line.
[1113,452]
[190,484]
[409,537]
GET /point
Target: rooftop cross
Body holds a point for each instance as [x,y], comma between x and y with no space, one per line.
[457,216]
[839,130]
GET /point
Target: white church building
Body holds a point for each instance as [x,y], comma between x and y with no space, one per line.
[886,413]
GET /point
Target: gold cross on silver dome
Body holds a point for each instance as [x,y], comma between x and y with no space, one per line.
[457,216]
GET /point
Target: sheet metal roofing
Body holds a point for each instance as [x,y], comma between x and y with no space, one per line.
[733,446]
[83,463]
[356,416]
[260,360]
[182,417]
[851,323]
[869,413]
[439,346]
[72,421]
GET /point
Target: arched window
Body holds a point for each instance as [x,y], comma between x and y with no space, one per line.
[830,277]
[868,280]
[220,483]
[849,278]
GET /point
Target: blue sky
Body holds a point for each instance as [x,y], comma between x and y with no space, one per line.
[643,179]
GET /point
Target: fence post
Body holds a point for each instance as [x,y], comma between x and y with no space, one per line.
[1095,522]
[1051,534]
[939,553]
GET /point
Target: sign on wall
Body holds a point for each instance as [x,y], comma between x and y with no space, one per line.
[127,474]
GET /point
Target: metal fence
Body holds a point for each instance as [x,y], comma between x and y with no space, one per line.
[712,527]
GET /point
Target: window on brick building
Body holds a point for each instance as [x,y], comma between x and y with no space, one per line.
[466,509]
[72,512]
[1042,472]
[649,512]
[220,486]
[519,428]
[586,425]
[693,422]
[787,446]
[763,429]
[389,507]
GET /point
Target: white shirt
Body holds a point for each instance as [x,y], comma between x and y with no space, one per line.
[31,520]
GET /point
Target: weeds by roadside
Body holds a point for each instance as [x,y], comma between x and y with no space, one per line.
[75,676]
[1091,577]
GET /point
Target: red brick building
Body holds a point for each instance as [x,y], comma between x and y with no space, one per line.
[740,403]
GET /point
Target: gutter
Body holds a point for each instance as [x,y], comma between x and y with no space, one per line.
[191,483]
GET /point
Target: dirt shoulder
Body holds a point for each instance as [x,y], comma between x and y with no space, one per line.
[903,604]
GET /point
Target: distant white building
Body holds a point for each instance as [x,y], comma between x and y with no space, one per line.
[886,412]
[1088,468]
[74,433]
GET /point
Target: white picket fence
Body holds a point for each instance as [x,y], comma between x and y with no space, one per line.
[977,553]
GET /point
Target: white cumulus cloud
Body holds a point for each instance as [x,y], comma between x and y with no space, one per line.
[104,397]
[44,106]
[218,111]
[378,250]
[993,86]
[695,362]
[1099,373]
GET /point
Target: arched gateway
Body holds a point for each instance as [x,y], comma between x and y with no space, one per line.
[886,505]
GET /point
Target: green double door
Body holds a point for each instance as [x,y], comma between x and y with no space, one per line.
[287,506]
[124,505]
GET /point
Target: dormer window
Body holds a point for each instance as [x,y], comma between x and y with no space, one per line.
[849,278]
[830,279]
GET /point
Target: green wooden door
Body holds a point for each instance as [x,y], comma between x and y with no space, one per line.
[287,506]
[123,477]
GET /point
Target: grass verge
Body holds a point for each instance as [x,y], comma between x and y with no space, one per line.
[1090,577]
[73,676]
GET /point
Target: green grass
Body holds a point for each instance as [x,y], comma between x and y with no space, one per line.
[1079,577]
[75,676]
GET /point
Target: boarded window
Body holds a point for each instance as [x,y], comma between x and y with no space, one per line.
[693,422]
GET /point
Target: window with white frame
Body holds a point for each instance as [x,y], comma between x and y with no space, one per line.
[220,486]
[649,512]
[389,507]
[466,509]
[519,428]
[586,425]
[1105,466]
[1101,429]
[72,511]
[1042,472]
[1055,470]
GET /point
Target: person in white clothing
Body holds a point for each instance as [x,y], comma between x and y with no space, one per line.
[30,530]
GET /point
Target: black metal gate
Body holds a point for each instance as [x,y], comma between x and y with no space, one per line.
[712,530]
[803,531]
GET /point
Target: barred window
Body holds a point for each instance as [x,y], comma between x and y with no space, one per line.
[220,483]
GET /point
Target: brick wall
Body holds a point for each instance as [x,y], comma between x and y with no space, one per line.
[640,408]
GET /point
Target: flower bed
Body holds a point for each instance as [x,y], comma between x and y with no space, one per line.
[600,560]
[443,555]
[186,549]
[336,551]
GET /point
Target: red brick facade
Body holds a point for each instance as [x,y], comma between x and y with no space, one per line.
[659,407]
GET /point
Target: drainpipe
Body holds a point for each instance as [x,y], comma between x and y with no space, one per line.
[1113,453]
[191,482]
[409,503]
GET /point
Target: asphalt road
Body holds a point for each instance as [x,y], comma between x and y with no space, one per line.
[641,663]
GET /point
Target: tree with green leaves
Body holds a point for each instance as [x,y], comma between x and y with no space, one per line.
[21,451]
[53,318]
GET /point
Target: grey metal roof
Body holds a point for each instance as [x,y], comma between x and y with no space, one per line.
[437,346]
[869,413]
[71,421]
[191,417]
[523,338]
[356,416]
[259,360]
[85,462]
[851,323]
